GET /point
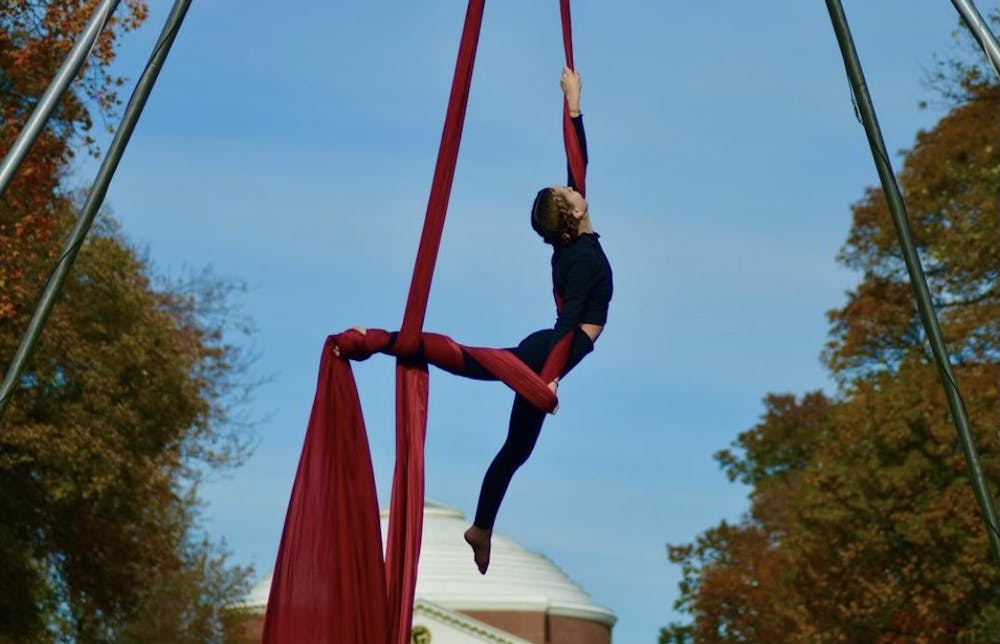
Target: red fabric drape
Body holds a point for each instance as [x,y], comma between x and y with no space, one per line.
[330,583]
[406,512]
[329,580]
[574,151]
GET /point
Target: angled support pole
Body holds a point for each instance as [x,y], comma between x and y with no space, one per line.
[64,76]
[919,282]
[980,31]
[94,200]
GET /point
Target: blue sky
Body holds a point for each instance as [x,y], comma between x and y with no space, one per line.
[294,149]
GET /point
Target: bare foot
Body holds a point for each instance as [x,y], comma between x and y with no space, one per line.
[479,539]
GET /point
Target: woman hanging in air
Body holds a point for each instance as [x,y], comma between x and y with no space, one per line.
[582,285]
[581,277]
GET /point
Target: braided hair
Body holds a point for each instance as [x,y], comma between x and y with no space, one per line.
[552,218]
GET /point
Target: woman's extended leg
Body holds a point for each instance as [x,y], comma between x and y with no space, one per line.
[522,434]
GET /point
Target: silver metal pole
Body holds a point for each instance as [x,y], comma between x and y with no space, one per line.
[980,30]
[94,199]
[56,89]
[925,305]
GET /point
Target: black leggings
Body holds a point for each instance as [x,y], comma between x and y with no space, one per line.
[525,419]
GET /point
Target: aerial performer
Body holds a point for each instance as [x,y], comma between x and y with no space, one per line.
[582,285]
[333,581]
[581,277]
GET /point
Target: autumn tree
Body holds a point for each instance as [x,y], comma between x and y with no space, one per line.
[35,37]
[863,525]
[131,395]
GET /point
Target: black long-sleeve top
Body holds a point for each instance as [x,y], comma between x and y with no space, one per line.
[581,272]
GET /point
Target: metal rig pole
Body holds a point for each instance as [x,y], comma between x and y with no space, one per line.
[56,89]
[980,31]
[924,304]
[94,199]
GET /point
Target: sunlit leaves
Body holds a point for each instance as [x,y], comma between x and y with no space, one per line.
[863,526]
[128,398]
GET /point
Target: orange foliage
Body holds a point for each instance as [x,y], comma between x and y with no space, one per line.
[863,525]
[35,37]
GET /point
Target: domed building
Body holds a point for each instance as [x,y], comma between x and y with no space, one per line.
[523,599]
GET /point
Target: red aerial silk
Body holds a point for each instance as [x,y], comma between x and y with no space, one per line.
[574,152]
[330,583]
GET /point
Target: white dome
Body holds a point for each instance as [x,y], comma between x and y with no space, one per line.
[518,579]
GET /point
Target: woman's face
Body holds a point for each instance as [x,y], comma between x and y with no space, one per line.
[575,199]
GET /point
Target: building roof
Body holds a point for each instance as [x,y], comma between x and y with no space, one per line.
[518,579]
[452,627]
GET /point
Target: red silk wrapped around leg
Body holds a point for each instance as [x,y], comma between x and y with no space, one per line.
[558,357]
[518,376]
[442,351]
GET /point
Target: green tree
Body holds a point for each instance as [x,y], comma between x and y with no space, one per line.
[862,525]
[131,397]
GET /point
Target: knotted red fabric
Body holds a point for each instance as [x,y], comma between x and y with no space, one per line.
[330,583]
